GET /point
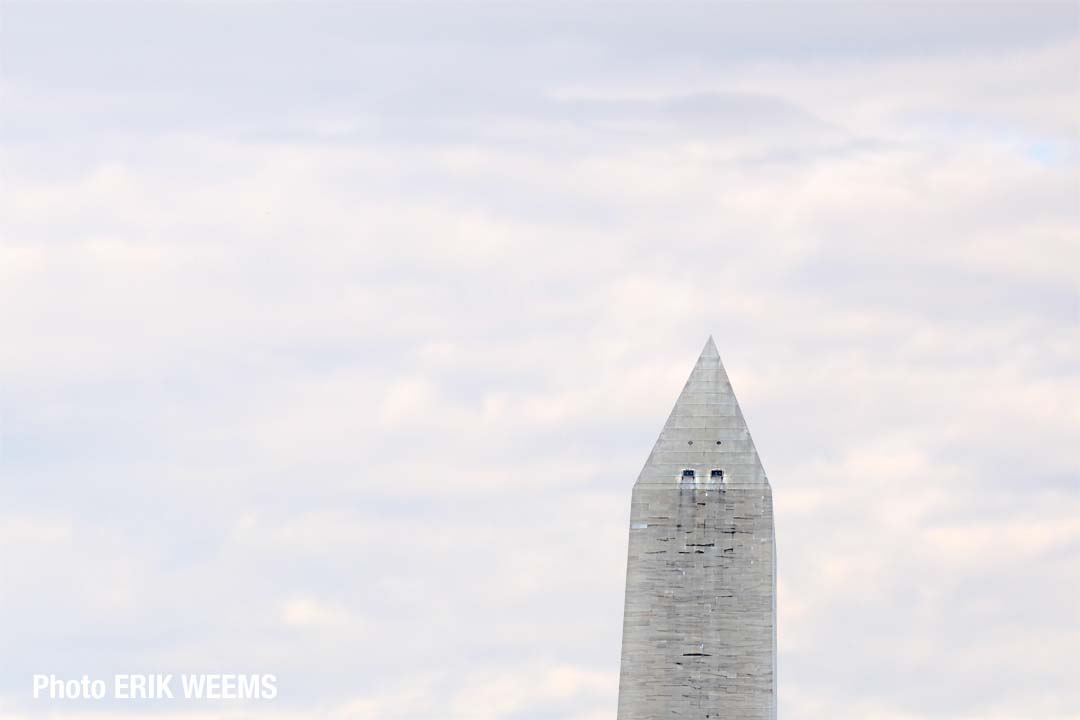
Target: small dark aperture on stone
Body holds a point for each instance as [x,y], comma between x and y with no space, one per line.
[719,442]
[717,474]
[688,473]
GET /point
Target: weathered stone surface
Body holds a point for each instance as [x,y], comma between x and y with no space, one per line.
[699,628]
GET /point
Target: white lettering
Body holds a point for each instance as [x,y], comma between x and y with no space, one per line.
[157,686]
[59,689]
[249,687]
[162,684]
[194,685]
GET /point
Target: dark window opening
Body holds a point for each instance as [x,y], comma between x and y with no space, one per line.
[717,474]
[688,473]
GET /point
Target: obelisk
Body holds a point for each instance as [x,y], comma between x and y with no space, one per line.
[699,627]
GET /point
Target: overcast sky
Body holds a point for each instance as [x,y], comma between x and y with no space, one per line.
[333,336]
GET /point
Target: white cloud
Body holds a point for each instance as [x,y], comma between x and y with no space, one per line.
[360,373]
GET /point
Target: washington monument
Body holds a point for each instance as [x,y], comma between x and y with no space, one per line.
[699,628]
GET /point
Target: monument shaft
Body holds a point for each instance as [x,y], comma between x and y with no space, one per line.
[699,628]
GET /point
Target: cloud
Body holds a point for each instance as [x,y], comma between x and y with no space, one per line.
[339,363]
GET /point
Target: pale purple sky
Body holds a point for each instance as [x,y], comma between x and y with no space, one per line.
[333,336]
